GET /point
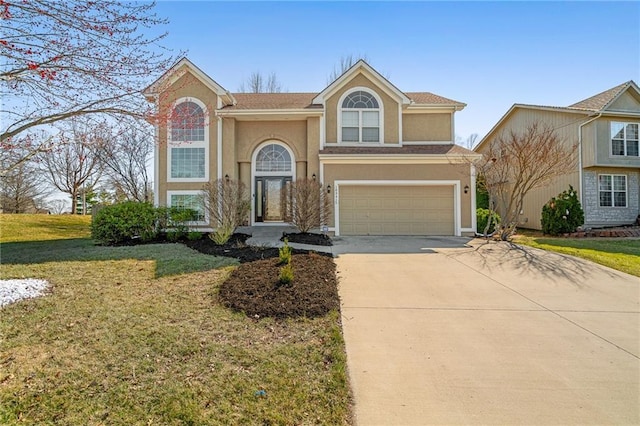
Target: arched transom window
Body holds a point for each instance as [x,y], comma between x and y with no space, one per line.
[360,116]
[273,158]
[187,123]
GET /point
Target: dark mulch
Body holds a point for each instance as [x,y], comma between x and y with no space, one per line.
[254,288]
[307,238]
[236,247]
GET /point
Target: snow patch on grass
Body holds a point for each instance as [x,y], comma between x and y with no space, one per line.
[14,290]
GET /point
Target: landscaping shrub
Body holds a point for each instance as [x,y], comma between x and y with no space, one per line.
[194,236]
[306,205]
[563,213]
[125,222]
[285,253]
[286,274]
[227,202]
[482,217]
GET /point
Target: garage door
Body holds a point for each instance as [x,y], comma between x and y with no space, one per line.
[396,210]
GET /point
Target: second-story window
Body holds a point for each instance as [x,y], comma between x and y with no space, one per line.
[360,114]
[188,142]
[624,139]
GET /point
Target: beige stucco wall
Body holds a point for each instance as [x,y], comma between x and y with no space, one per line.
[333,172]
[426,127]
[185,86]
[390,110]
[250,134]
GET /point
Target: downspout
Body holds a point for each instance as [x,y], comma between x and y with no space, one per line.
[580,154]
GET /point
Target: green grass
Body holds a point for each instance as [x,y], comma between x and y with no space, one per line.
[42,227]
[622,254]
[135,335]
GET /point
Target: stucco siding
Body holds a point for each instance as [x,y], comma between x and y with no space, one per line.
[596,216]
[250,134]
[186,86]
[426,127]
[390,110]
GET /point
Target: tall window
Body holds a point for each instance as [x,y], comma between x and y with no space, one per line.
[612,190]
[360,116]
[624,139]
[188,151]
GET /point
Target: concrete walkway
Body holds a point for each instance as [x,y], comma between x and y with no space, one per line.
[489,334]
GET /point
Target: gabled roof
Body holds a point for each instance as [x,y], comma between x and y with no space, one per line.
[174,73]
[602,100]
[590,106]
[356,68]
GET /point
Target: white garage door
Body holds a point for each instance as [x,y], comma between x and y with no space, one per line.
[396,210]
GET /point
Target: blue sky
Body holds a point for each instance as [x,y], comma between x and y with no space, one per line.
[488,55]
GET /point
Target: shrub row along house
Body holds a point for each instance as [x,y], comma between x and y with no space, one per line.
[603,132]
[386,158]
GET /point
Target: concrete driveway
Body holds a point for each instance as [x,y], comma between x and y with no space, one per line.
[489,334]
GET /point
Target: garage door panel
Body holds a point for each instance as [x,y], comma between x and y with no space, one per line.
[396,210]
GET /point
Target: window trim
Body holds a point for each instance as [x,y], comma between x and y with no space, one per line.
[625,140]
[189,192]
[198,144]
[613,191]
[380,111]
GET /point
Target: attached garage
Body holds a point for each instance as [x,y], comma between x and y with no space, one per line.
[396,209]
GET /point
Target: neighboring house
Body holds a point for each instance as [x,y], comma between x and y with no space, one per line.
[386,158]
[604,130]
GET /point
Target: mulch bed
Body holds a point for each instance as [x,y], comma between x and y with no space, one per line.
[307,238]
[236,247]
[254,288]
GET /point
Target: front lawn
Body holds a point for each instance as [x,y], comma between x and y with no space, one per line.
[622,254]
[136,335]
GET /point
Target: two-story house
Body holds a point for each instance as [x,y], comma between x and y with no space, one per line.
[604,131]
[386,158]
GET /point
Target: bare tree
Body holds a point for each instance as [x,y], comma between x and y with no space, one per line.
[23,188]
[62,59]
[57,206]
[306,206]
[469,142]
[125,155]
[73,165]
[517,162]
[257,83]
[344,64]
[228,205]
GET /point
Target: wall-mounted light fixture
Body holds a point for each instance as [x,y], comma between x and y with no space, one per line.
[466,189]
[226,177]
[313,176]
[328,189]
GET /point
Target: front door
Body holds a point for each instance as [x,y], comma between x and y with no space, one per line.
[269,197]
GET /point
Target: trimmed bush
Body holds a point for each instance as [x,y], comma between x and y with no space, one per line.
[482,217]
[125,222]
[563,213]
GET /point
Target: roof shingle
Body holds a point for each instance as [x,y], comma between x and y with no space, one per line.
[601,100]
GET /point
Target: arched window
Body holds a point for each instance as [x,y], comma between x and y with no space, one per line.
[360,118]
[273,158]
[187,123]
[188,137]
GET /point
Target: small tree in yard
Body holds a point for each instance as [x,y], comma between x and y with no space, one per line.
[517,162]
[228,205]
[306,206]
[562,213]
